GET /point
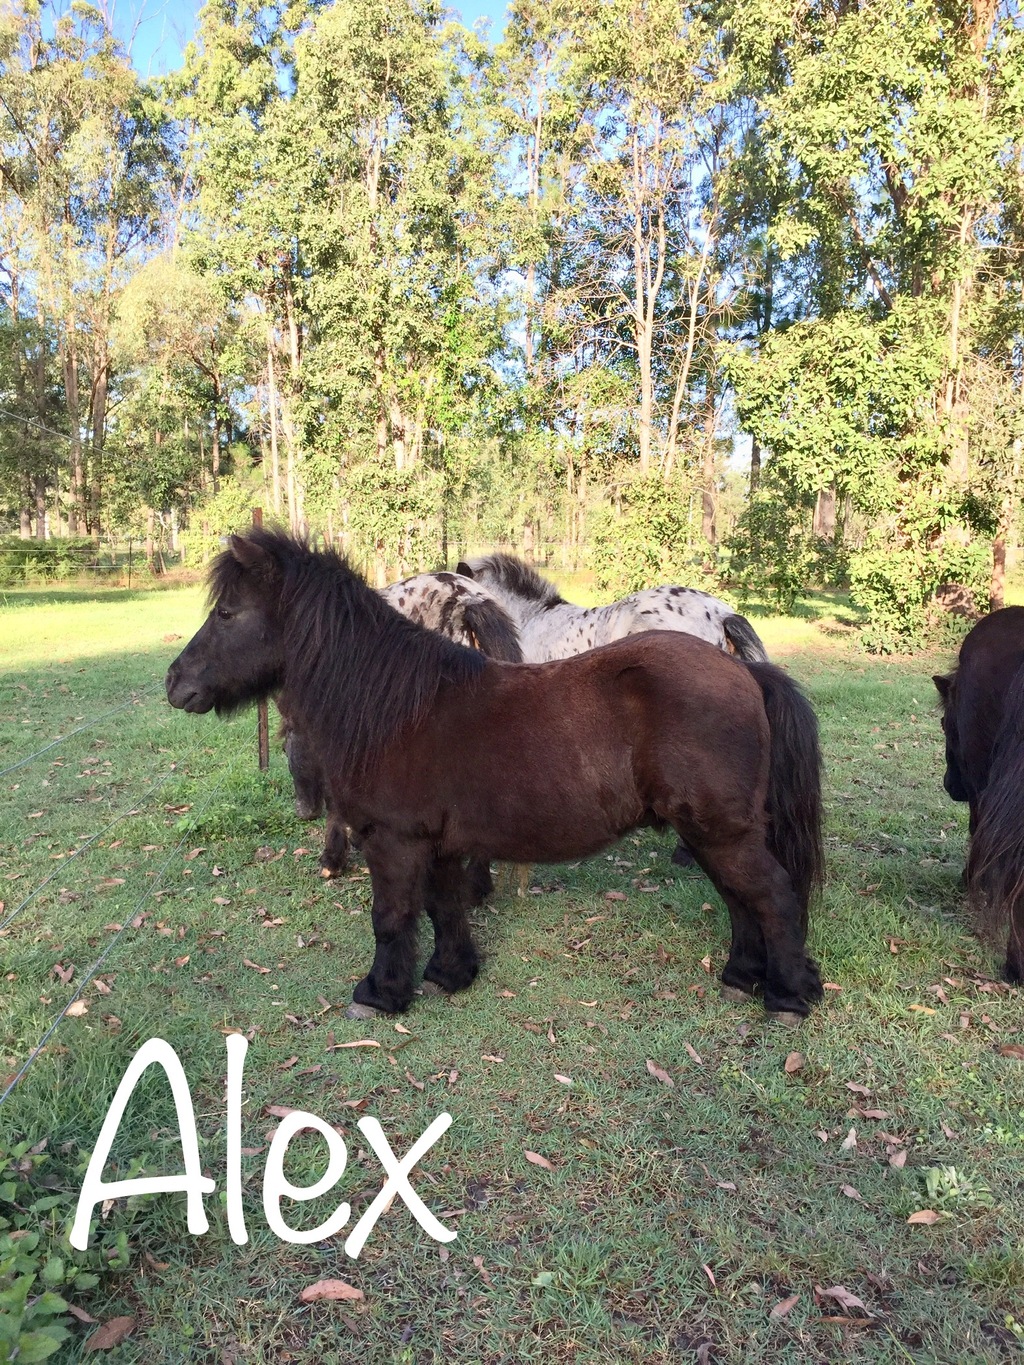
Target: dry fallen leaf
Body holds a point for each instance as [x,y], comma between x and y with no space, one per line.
[564,1080]
[852,1193]
[898,1159]
[793,1063]
[359,1042]
[783,1306]
[841,1295]
[615,895]
[850,1141]
[330,1289]
[74,1011]
[694,1054]
[111,1334]
[80,1313]
[921,1009]
[925,1216]
[538,1160]
[255,966]
[1011,1050]
[658,1074]
[858,1089]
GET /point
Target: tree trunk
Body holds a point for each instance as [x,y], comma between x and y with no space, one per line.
[825,514]
[755,467]
[997,583]
[215,450]
[98,405]
[69,366]
[39,488]
[275,459]
[709,491]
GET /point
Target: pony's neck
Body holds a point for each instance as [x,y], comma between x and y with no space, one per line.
[358,673]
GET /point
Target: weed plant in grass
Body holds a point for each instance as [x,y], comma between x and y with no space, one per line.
[671,1219]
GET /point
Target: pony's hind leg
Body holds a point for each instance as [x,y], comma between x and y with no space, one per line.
[454,962]
[766,918]
[746,969]
[398,871]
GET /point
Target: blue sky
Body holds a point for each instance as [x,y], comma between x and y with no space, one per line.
[157,30]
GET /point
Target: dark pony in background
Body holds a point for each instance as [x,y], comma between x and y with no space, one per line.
[434,753]
[983,719]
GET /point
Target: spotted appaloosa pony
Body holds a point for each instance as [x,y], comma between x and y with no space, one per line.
[434,753]
[551,628]
[457,608]
[983,718]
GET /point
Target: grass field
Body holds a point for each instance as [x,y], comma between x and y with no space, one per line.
[670,1223]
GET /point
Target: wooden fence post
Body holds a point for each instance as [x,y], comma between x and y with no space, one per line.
[262,723]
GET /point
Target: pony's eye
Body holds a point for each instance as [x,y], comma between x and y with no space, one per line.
[224,614]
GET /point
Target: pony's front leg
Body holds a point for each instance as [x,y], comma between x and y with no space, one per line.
[454,963]
[398,871]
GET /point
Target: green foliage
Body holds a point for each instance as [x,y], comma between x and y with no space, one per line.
[393,513]
[646,540]
[895,586]
[46,560]
[948,1188]
[772,548]
[36,1266]
[221,514]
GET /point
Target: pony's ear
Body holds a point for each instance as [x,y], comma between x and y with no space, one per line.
[248,553]
[463,568]
[942,683]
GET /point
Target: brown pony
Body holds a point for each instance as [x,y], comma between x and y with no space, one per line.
[983,719]
[434,753]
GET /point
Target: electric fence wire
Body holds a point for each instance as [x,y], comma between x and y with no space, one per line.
[133,701]
[134,809]
[226,771]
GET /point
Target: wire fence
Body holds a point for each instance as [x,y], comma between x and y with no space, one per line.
[56,561]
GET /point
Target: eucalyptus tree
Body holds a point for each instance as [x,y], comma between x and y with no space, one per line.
[83,161]
[899,129]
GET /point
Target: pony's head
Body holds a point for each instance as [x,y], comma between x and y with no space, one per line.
[953,780]
[237,657]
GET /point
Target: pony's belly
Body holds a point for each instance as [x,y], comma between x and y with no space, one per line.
[536,830]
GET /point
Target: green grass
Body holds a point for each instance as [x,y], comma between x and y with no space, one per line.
[674,1218]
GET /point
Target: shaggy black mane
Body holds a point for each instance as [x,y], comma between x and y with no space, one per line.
[519,578]
[357,672]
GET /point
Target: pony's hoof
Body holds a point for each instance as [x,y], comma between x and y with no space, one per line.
[735,995]
[329,873]
[787,1018]
[432,988]
[357,1011]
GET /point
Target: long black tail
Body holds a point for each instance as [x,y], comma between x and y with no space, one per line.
[744,640]
[995,865]
[494,630]
[794,782]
